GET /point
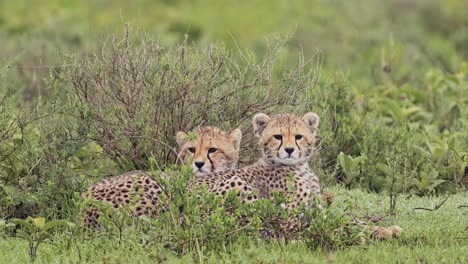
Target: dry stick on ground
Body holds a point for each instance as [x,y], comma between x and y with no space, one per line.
[432,209]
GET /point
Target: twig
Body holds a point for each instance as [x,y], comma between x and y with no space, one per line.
[237,230]
[432,209]
[462,206]
[34,166]
[159,142]
[41,66]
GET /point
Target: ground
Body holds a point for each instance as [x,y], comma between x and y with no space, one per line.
[439,236]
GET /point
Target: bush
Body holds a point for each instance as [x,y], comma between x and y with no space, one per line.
[43,160]
[138,94]
[414,137]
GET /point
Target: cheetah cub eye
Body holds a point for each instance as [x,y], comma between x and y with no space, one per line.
[191,150]
[278,137]
[212,150]
[299,137]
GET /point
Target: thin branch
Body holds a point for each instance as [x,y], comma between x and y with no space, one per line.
[237,230]
[41,66]
[432,209]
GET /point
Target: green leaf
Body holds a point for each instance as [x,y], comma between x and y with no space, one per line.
[24,235]
[436,183]
[25,224]
[345,163]
[359,159]
[411,110]
[43,236]
[341,159]
[384,169]
[39,222]
[57,223]
[5,190]
[391,107]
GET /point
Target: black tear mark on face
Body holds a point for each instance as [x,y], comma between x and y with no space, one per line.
[280,139]
[298,138]
[210,160]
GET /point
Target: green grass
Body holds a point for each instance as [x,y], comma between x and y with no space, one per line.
[438,236]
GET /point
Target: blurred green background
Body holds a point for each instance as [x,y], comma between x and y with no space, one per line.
[358,37]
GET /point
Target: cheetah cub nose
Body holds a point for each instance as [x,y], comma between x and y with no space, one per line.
[199,164]
[289,150]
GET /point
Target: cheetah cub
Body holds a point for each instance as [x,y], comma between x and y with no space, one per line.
[286,142]
[212,150]
[208,150]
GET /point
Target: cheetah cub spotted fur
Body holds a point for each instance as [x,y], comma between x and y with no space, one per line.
[208,150]
[286,142]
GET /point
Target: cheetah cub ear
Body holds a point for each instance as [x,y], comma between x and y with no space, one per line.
[181,138]
[311,120]
[236,136]
[260,122]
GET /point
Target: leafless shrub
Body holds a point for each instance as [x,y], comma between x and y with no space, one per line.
[140,94]
[9,126]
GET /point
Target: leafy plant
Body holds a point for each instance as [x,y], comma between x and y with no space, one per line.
[114,220]
[4,226]
[350,167]
[36,231]
[331,228]
[427,182]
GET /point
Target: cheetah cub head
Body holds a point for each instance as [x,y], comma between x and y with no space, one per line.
[210,149]
[286,139]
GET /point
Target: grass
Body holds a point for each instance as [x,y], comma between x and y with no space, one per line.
[438,236]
